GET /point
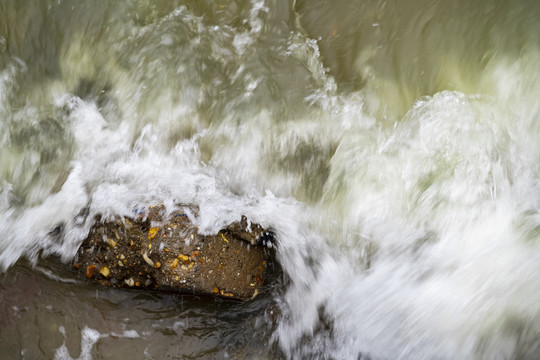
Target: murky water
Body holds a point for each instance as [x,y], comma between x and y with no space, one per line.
[392,146]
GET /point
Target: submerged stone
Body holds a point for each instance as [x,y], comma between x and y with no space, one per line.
[169,254]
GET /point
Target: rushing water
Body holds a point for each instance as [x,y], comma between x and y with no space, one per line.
[391,145]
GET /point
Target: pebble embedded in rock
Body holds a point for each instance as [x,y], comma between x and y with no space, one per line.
[89,271]
[105,271]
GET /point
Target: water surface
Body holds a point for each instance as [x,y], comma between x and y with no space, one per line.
[391,145]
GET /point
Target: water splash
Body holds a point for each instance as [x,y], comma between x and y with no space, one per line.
[404,197]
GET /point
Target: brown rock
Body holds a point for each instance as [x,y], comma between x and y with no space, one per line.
[169,254]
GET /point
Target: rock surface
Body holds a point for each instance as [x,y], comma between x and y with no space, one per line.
[158,253]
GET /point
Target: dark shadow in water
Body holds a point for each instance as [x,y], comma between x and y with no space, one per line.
[38,304]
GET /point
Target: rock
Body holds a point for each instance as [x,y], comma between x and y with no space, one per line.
[169,254]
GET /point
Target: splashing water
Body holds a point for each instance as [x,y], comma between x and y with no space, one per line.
[392,147]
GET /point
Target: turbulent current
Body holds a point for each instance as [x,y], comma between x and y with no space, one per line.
[392,146]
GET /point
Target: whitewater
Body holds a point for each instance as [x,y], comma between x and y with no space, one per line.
[392,148]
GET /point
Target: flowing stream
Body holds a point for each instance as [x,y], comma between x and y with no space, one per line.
[392,146]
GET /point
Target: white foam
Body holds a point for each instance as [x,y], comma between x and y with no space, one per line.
[89,337]
[422,241]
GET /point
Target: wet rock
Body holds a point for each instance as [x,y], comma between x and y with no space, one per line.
[157,253]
